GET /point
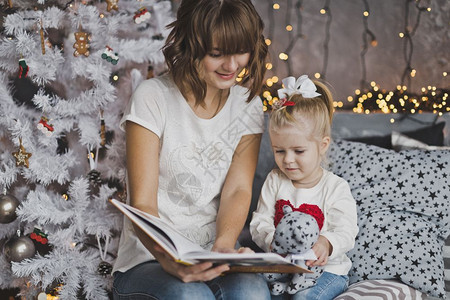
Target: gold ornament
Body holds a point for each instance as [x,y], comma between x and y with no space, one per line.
[21,156]
[42,38]
[112,4]
[150,73]
[102,129]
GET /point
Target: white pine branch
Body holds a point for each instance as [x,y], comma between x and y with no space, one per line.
[43,208]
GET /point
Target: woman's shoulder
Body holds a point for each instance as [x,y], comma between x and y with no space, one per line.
[239,104]
[242,93]
[155,90]
[161,83]
[240,90]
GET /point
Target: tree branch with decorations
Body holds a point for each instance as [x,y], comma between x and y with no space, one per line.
[66,74]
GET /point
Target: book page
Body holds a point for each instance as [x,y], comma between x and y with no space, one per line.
[308,255]
[240,258]
[157,235]
[175,239]
[252,262]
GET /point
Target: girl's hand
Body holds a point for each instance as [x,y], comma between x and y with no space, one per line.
[322,248]
[199,272]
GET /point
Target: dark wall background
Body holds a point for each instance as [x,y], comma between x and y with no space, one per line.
[385,63]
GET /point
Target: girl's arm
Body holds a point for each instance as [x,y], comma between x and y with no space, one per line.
[236,193]
[142,148]
[342,226]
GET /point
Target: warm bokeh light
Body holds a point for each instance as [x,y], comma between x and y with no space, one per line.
[283,56]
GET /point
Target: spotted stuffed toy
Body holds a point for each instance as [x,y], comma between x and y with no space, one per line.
[296,231]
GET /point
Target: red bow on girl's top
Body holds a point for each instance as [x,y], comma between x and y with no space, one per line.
[310,209]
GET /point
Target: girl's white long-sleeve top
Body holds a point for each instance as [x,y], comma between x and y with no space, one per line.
[332,194]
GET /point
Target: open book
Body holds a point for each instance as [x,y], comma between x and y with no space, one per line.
[183,250]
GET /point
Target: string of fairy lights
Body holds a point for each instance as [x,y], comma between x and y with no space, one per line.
[407,35]
[326,11]
[367,34]
[369,97]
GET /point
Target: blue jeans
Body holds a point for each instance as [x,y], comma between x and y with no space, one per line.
[149,281]
[327,287]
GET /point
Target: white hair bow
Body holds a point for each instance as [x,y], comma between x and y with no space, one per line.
[303,85]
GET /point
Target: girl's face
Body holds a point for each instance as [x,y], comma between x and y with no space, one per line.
[297,155]
[220,71]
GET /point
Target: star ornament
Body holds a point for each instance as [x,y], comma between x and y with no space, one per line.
[21,157]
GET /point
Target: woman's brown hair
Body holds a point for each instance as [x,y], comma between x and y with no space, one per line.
[233,25]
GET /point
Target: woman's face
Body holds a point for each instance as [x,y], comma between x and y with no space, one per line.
[220,71]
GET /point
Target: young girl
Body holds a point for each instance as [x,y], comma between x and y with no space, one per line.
[192,146]
[300,129]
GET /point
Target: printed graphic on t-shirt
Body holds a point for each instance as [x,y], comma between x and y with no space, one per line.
[186,165]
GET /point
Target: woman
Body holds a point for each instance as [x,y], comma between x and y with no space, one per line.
[192,143]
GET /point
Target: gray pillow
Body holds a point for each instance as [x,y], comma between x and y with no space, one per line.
[403,201]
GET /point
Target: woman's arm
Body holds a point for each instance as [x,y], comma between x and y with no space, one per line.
[237,192]
[142,150]
[262,226]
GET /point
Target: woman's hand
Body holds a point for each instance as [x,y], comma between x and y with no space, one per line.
[232,250]
[199,272]
[322,248]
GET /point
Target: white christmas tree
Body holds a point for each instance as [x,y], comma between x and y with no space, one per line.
[62,155]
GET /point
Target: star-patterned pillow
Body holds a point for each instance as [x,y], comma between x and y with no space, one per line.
[403,201]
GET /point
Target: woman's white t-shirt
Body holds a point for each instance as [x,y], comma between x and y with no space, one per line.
[195,155]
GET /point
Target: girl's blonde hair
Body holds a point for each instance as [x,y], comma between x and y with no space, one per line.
[233,25]
[315,115]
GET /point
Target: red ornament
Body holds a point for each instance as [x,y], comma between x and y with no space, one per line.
[23,68]
[45,127]
[39,236]
[141,15]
